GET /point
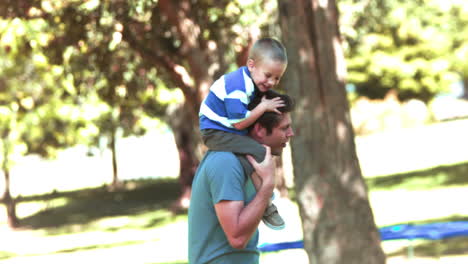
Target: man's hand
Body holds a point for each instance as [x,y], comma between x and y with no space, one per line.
[265,169]
[271,105]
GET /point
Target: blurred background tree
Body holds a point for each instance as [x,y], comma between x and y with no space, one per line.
[38,113]
[397,45]
[125,53]
[458,26]
[106,71]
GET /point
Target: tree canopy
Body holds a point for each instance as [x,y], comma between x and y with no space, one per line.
[406,46]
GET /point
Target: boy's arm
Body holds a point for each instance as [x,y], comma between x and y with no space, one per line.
[266,105]
[249,120]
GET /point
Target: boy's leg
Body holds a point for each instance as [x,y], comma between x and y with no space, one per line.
[271,216]
[241,145]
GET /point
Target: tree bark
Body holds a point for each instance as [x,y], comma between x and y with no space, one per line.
[10,203]
[465,88]
[113,143]
[337,219]
[187,137]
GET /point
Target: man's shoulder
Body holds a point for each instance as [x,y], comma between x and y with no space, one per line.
[220,156]
[221,161]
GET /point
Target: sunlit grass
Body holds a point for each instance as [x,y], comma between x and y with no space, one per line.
[429,178]
[133,238]
[158,236]
[28,208]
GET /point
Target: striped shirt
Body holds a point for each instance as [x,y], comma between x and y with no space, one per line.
[227,101]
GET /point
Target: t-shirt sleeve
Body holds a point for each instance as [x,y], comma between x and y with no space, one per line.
[236,106]
[226,179]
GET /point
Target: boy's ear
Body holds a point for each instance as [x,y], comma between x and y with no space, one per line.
[250,63]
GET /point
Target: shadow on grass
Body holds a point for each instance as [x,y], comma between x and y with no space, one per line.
[442,176]
[438,248]
[84,206]
[454,246]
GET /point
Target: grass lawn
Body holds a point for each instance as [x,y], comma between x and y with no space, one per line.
[135,225]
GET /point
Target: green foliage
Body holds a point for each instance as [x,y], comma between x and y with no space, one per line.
[36,116]
[87,42]
[458,26]
[400,45]
[129,53]
[94,69]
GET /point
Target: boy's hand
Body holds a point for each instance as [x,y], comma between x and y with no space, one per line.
[265,169]
[271,105]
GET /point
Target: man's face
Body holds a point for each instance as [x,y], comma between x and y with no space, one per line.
[279,136]
[266,73]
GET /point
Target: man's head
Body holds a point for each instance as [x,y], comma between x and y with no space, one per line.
[267,62]
[272,129]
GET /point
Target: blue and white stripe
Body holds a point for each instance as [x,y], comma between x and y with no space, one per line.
[227,101]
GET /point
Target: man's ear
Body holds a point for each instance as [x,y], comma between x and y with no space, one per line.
[259,131]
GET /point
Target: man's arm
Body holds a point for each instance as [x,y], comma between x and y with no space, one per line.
[238,221]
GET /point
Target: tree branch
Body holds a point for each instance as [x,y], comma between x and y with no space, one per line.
[178,74]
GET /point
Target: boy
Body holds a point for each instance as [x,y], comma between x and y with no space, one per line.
[224,114]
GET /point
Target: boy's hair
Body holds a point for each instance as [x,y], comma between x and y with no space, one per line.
[268,48]
[270,120]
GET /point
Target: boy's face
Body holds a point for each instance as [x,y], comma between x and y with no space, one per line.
[266,73]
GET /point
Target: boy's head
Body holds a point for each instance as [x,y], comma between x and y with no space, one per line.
[267,62]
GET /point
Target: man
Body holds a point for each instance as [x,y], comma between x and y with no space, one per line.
[225,210]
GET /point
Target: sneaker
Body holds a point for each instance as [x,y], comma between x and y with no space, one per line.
[272,219]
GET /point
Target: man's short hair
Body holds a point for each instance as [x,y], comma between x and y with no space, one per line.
[270,120]
[268,48]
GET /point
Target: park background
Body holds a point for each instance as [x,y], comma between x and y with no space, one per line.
[411,133]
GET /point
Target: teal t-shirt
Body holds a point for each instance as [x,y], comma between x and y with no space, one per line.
[219,177]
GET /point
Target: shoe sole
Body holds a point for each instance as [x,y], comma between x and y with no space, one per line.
[281,227]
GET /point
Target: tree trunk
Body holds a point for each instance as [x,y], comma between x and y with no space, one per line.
[187,137]
[113,143]
[10,203]
[337,219]
[465,88]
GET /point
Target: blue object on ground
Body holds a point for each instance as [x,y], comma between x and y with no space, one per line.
[433,231]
